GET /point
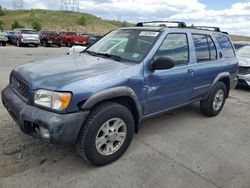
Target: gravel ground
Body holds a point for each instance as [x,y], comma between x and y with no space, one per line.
[181,148]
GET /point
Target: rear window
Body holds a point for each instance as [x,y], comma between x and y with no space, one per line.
[204,47]
[226,46]
[28,32]
[71,33]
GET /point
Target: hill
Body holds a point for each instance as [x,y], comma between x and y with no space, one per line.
[59,21]
[239,38]
[68,21]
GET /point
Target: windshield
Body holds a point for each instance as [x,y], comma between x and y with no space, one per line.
[244,52]
[129,45]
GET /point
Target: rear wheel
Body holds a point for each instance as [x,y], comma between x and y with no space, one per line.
[36,45]
[18,43]
[3,43]
[106,134]
[215,101]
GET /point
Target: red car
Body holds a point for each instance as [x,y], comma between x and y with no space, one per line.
[48,38]
[73,38]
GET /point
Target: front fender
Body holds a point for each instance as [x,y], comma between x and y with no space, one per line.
[107,94]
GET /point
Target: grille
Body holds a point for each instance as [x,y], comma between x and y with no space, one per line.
[19,86]
[244,70]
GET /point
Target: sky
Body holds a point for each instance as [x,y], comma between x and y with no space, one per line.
[232,16]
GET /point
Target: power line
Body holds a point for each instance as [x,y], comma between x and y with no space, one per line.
[70,5]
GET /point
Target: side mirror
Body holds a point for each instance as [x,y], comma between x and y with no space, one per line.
[162,63]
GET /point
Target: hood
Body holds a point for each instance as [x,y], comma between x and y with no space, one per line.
[244,62]
[55,73]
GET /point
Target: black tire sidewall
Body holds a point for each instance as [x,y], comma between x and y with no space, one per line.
[91,152]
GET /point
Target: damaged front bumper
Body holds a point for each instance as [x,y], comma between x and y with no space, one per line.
[42,124]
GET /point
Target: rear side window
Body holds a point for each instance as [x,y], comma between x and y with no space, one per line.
[226,46]
[204,47]
[175,46]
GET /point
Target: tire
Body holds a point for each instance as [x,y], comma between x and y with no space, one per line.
[18,43]
[45,43]
[69,44]
[36,45]
[3,43]
[214,103]
[92,131]
[59,45]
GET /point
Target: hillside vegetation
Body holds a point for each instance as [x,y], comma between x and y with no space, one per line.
[68,21]
[60,21]
[239,38]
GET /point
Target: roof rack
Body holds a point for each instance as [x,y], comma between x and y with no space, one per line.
[217,29]
[179,24]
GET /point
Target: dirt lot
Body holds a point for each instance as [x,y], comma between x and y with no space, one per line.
[181,148]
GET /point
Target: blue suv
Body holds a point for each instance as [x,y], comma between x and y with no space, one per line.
[96,99]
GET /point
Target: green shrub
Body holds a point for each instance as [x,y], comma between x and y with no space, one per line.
[1,25]
[16,24]
[1,11]
[82,21]
[37,25]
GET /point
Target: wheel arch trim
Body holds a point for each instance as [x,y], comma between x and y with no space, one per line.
[223,75]
[108,94]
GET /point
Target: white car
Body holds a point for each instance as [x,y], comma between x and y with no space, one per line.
[76,49]
[3,38]
[116,43]
[244,65]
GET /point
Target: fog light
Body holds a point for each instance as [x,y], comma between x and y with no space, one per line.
[44,132]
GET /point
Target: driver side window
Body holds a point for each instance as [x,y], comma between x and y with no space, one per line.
[175,46]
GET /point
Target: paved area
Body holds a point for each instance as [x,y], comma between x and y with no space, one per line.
[179,149]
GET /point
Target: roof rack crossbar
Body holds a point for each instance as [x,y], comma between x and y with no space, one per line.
[217,29]
[179,24]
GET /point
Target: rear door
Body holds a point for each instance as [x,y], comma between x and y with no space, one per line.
[206,67]
[169,88]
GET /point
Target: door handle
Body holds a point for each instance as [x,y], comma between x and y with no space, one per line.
[190,70]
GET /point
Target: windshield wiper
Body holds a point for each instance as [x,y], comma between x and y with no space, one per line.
[91,52]
[115,57]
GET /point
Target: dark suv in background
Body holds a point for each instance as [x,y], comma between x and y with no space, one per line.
[97,99]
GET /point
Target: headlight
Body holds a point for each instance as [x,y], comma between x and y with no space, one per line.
[51,99]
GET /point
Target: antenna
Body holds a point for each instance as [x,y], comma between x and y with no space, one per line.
[18,4]
[70,5]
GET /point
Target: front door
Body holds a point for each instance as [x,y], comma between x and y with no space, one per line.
[169,88]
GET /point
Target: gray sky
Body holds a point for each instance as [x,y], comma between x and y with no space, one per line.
[231,15]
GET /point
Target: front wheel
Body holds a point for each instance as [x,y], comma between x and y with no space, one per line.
[215,101]
[106,134]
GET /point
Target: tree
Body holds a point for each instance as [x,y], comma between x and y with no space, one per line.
[82,21]
[16,24]
[37,25]
[1,25]
[1,11]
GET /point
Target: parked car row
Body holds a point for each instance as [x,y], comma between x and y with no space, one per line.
[25,36]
